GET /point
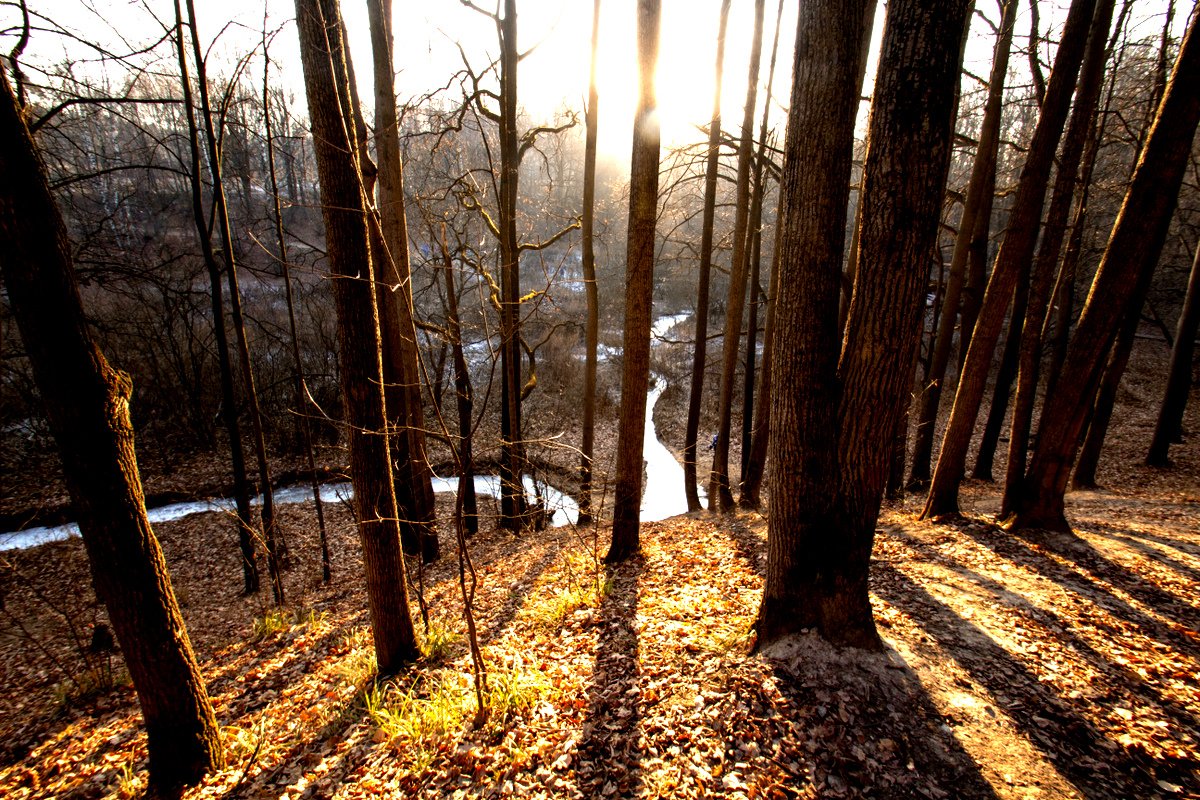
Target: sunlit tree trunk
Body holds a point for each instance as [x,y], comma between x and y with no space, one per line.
[1133,251]
[720,493]
[87,405]
[700,348]
[344,206]
[592,326]
[639,291]
[1015,254]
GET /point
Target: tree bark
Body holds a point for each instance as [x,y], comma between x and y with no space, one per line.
[834,422]
[720,493]
[1131,255]
[700,349]
[344,207]
[414,489]
[87,404]
[1014,256]
[639,291]
[592,326]
[1168,428]
[1087,98]
[983,171]
[463,394]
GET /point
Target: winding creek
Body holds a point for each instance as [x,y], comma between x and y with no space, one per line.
[662,496]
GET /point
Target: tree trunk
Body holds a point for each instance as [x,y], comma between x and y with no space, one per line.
[221,212]
[720,494]
[468,503]
[592,326]
[241,484]
[87,404]
[1169,426]
[639,292]
[756,466]
[1015,254]
[344,208]
[834,423]
[1087,97]
[414,490]
[1009,361]
[299,389]
[700,348]
[1131,255]
[983,171]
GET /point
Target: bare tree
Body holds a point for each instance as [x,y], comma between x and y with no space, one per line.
[592,326]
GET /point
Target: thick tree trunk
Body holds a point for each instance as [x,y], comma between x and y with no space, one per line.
[1087,98]
[834,423]
[720,494]
[700,348]
[639,292]
[983,171]
[271,537]
[414,489]
[1131,255]
[592,326]
[87,404]
[344,208]
[1168,429]
[1015,254]
[229,406]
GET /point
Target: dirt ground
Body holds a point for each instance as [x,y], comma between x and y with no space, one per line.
[1017,666]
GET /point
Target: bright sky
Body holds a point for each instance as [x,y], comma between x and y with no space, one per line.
[554,74]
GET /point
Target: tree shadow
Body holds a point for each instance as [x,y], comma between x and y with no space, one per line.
[515,601]
[1137,541]
[609,754]
[1079,572]
[1096,766]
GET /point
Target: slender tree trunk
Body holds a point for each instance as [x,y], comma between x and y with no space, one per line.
[592,327]
[756,467]
[1131,255]
[983,171]
[344,208]
[720,493]
[700,349]
[834,426]
[1087,97]
[221,211]
[87,404]
[1169,426]
[414,490]
[241,484]
[513,505]
[463,394]
[299,389]
[756,295]
[1016,251]
[639,291]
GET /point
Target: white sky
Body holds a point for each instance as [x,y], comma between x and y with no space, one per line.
[553,76]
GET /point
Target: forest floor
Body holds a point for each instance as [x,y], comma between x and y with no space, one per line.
[1016,665]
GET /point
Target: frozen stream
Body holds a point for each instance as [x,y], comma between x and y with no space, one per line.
[662,497]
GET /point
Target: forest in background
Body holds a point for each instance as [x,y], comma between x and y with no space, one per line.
[515,277]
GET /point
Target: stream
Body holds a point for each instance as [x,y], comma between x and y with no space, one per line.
[662,496]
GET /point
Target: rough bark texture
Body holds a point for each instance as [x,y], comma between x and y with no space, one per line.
[833,424]
[592,325]
[1087,98]
[1132,253]
[983,171]
[1015,254]
[344,208]
[720,494]
[700,350]
[87,404]
[1168,427]
[639,291]
[414,490]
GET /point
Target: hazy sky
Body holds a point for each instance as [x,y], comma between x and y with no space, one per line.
[553,75]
